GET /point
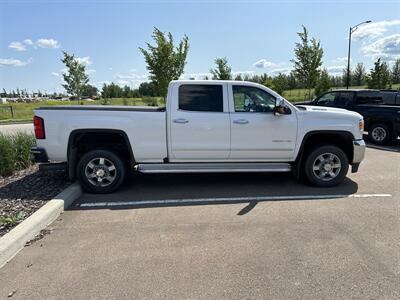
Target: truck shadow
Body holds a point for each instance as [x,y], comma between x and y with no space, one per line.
[146,191]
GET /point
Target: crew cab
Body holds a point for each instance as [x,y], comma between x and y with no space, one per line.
[206,126]
[382,121]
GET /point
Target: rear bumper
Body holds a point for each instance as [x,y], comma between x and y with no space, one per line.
[358,154]
[39,155]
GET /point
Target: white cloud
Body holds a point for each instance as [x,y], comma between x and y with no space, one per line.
[340,60]
[387,48]
[196,76]
[90,71]
[263,63]
[28,42]
[336,70]
[243,73]
[84,60]
[47,43]
[55,74]
[17,46]
[131,79]
[14,62]
[373,29]
[277,71]
[122,82]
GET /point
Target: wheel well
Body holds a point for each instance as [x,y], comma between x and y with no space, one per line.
[83,141]
[342,140]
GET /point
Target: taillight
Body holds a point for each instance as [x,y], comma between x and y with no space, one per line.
[38,124]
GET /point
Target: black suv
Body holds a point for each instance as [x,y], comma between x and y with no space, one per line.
[380,109]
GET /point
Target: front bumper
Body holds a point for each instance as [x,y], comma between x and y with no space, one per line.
[358,154]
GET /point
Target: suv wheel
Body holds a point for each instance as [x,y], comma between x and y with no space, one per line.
[326,166]
[101,171]
[379,134]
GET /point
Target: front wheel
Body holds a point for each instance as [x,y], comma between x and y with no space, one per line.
[101,171]
[379,134]
[326,166]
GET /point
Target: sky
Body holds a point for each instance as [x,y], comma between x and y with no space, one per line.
[255,36]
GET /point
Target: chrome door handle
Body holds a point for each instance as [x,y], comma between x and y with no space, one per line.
[240,121]
[181,121]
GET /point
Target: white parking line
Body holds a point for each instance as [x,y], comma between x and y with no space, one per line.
[229,199]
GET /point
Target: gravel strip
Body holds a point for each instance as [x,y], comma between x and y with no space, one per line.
[25,192]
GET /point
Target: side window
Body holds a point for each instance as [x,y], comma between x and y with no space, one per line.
[368,98]
[326,99]
[201,97]
[252,99]
[343,99]
[388,98]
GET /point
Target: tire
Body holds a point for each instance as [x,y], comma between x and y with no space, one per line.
[379,134]
[101,171]
[326,166]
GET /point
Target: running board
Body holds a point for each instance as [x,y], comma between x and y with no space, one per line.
[213,167]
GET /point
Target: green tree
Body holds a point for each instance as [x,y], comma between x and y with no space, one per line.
[75,78]
[148,89]
[279,83]
[222,71]
[292,82]
[323,83]
[308,60]
[89,91]
[238,77]
[358,76]
[379,76]
[164,61]
[396,72]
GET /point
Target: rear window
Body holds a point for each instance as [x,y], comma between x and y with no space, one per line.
[201,97]
[389,97]
[369,98]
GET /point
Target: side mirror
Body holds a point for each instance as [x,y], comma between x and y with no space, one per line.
[280,108]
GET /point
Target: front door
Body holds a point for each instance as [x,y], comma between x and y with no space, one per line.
[256,133]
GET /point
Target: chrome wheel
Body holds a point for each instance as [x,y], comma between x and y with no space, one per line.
[327,166]
[100,171]
[379,134]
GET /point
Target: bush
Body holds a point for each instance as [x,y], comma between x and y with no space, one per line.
[15,152]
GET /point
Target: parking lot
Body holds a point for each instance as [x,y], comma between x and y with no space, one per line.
[223,236]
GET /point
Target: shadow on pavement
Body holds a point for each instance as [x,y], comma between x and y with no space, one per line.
[206,189]
[392,147]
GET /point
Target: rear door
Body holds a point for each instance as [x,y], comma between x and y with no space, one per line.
[199,123]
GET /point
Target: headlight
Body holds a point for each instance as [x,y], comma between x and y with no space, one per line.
[361,125]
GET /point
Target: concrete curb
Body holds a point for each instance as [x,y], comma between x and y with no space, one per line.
[12,242]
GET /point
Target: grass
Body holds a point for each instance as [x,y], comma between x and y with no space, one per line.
[15,152]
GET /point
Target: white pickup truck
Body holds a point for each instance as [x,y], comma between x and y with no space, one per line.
[206,126]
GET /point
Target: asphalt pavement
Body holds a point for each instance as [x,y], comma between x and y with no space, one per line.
[229,236]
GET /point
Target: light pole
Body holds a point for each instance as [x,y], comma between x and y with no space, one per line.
[352,29]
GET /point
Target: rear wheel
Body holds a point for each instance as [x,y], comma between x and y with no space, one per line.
[326,166]
[101,171]
[379,134]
